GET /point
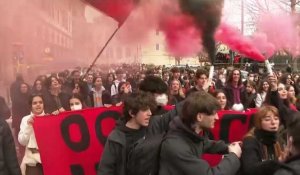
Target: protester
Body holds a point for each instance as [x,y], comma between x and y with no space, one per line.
[20,108]
[55,100]
[95,95]
[250,95]
[201,83]
[159,89]
[8,156]
[38,87]
[186,141]
[121,77]
[31,164]
[292,152]
[176,94]
[109,81]
[261,146]
[137,114]
[261,93]
[124,90]
[234,90]
[4,109]
[219,94]
[76,102]
[291,95]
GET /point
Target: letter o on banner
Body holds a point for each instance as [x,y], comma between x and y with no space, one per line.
[107,114]
[83,144]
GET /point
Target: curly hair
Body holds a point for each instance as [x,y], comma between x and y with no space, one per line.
[136,102]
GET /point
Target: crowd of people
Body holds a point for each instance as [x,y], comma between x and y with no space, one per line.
[271,147]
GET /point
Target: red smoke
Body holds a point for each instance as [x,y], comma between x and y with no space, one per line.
[182,36]
[236,41]
[280,30]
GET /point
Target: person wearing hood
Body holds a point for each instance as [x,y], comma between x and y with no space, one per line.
[187,140]
[129,129]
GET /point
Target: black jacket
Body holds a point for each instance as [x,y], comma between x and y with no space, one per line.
[291,167]
[113,160]
[229,95]
[50,104]
[182,149]
[252,159]
[4,109]
[8,157]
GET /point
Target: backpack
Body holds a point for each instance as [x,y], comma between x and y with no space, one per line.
[143,156]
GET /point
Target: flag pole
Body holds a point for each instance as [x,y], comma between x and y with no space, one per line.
[103,48]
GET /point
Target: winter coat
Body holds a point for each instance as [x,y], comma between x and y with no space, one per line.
[291,167]
[113,160]
[182,149]
[4,109]
[8,156]
[50,104]
[20,108]
[252,158]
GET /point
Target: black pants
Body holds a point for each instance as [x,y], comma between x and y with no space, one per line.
[34,170]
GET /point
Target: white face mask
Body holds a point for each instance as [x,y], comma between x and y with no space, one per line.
[161,100]
[251,78]
[223,80]
[76,107]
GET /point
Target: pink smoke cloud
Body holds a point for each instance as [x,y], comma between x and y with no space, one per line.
[237,42]
[182,36]
[280,30]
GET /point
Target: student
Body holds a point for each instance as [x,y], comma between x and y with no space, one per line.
[8,156]
[4,109]
[186,141]
[137,114]
[76,102]
[219,94]
[31,163]
[292,152]
[261,148]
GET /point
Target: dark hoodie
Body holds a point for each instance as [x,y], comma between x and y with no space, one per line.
[113,160]
[116,149]
[182,149]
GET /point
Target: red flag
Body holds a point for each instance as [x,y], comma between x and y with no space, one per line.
[117,9]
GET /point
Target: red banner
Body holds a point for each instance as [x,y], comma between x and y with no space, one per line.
[72,142]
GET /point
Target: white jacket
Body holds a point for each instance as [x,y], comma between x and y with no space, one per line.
[26,137]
